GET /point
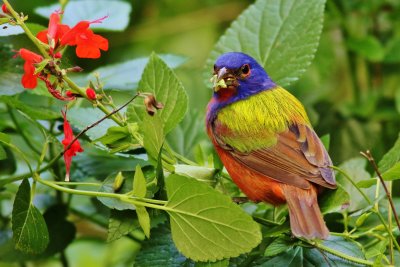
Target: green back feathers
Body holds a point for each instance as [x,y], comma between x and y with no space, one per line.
[253,123]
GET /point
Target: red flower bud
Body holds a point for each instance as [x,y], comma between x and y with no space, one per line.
[4,9]
[69,93]
[58,55]
[91,94]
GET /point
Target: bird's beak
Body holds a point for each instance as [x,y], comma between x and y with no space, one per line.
[220,79]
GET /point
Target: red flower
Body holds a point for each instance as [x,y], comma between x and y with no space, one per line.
[88,44]
[29,79]
[55,32]
[4,9]
[73,148]
[91,94]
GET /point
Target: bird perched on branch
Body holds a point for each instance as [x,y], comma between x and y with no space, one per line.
[266,142]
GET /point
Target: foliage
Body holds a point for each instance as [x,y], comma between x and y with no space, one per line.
[148,178]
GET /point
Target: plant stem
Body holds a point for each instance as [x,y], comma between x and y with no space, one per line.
[75,87]
[30,35]
[338,253]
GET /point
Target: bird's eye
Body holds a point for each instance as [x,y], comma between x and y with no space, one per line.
[245,70]
[215,69]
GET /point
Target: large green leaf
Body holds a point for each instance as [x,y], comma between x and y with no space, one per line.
[121,222]
[334,200]
[282,36]
[206,225]
[161,81]
[76,11]
[393,173]
[126,75]
[29,227]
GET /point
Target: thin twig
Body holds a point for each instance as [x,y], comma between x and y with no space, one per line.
[367,154]
[98,122]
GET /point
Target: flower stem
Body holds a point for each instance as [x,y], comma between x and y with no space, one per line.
[28,32]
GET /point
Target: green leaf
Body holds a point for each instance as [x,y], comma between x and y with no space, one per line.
[108,186]
[61,231]
[119,138]
[279,245]
[368,47]
[309,257]
[334,200]
[29,227]
[161,81]
[126,75]
[282,36]
[34,112]
[221,263]
[144,220]
[76,11]
[3,153]
[121,223]
[160,251]
[139,183]
[5,138]
[80,118]
[355,168]
[200,173]
[153,135]
[206,225]
[392,54]
[367,183]
[393,173]
[391,157]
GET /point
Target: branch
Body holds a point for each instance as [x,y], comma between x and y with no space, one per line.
[367,154]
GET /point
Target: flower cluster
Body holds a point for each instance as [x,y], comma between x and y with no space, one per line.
[55,39]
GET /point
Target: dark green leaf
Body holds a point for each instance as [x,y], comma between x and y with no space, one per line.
[121,223]
[161,81]
[3,153]
[392,54]
[334,200]
[279,245]
[221,263]
[29,227]
[61,231]
[284,36]
[117,20]
[160,251]
[206,225]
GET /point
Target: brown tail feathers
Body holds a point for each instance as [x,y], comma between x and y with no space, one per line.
[305,216]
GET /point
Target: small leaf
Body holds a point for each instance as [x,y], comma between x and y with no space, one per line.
[162,82]
[117,20]
[139,183]
[121,223]
[200,173]
[28,225]
[284,37]
[144,220]
[206,225]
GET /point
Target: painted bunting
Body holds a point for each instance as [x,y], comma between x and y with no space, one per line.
[265,140]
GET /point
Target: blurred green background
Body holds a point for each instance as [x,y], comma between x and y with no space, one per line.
[351,91]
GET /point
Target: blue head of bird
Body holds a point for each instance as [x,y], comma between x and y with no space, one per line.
[238,76]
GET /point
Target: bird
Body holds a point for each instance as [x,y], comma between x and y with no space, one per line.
[265,140]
